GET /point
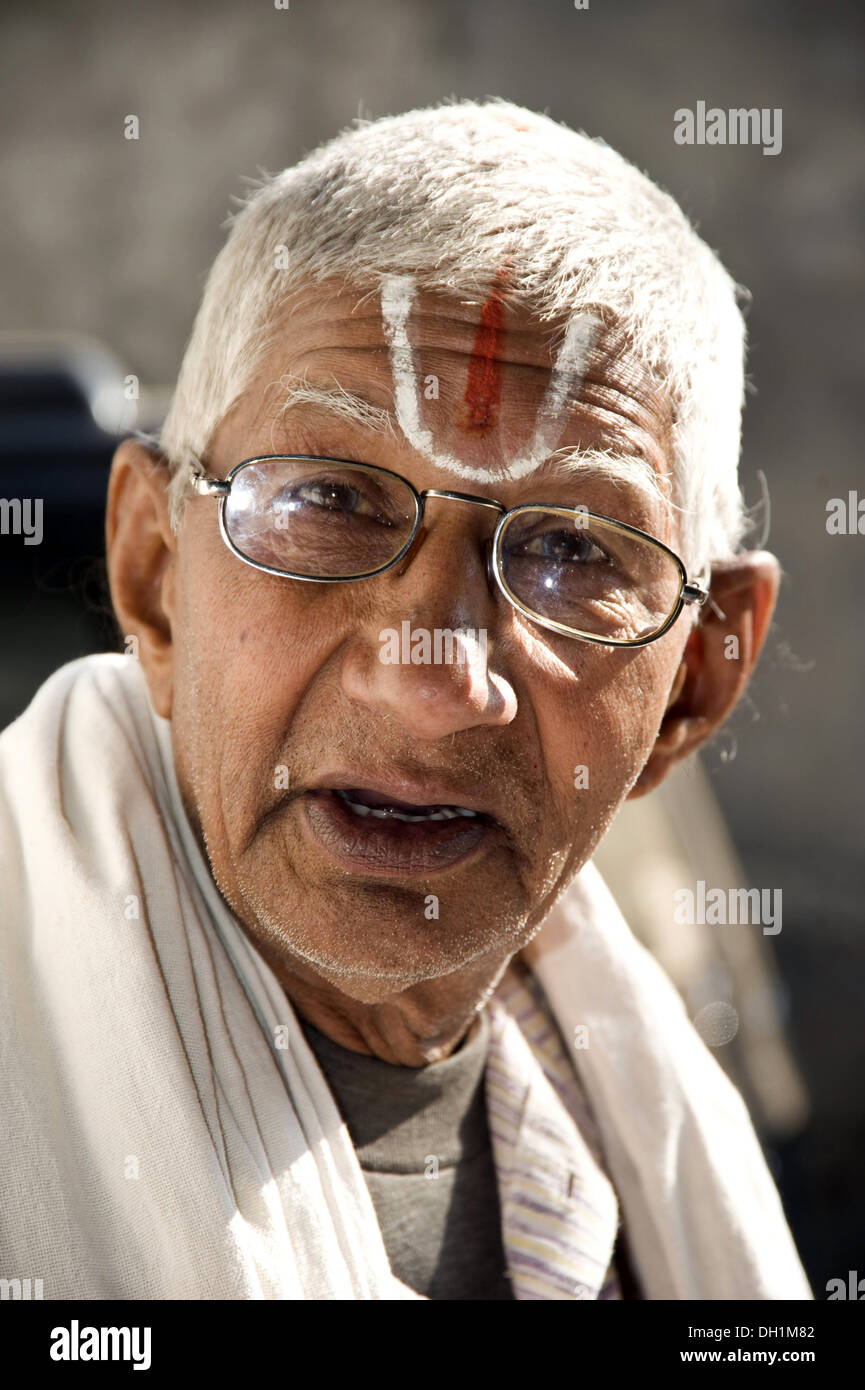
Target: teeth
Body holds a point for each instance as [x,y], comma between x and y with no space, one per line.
[390,813]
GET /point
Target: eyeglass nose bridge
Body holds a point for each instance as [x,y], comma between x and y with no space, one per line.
[463,497]
[451,496]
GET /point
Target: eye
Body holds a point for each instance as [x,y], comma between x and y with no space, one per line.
[329,495]
[335,497]
[564,546]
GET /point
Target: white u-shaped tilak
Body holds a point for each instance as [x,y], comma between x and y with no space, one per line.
[397,296]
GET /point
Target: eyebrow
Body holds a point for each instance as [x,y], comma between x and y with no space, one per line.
[631,470]
[335,400]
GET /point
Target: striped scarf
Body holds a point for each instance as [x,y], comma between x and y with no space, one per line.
[559,1211]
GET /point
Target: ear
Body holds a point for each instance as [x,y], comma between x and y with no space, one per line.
[141,554]
[719,657]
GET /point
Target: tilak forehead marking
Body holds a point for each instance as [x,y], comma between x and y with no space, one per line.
[398,293]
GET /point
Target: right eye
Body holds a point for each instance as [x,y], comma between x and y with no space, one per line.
[327,493]
[334,495]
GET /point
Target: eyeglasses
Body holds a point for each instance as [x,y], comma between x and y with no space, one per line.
[331,521]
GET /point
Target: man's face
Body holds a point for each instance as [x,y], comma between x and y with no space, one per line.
[277,682]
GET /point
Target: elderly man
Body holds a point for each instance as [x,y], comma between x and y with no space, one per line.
[311,990]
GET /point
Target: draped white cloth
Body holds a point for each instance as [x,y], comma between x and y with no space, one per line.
[166,1132]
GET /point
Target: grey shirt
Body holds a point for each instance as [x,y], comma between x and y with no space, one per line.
[423,1143]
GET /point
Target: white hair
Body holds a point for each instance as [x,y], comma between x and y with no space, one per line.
[447,195]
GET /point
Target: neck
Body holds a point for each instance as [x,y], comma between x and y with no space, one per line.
[413,1028]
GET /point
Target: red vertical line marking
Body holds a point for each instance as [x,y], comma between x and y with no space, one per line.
[484,383]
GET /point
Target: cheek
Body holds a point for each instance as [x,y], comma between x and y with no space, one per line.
[246,650]
[597,726]
[243,634]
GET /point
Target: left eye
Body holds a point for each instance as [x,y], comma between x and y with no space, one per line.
[566,546]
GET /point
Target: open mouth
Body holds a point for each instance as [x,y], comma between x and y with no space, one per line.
[371,830]
[364,803]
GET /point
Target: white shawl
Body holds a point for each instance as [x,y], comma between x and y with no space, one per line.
[157,1142]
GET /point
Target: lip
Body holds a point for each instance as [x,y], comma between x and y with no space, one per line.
[405,789]
[389,848]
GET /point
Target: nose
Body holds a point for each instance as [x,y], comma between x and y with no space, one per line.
[426,656]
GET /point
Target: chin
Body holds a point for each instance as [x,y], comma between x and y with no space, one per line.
[372,949]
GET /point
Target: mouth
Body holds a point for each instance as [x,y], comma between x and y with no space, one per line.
[366,803]
[368,829]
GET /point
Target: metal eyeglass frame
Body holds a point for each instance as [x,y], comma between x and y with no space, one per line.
[690,591]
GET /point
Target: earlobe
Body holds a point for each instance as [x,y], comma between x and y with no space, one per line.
[717,663]
[141,551]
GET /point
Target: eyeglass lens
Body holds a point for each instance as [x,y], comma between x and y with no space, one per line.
[323,520]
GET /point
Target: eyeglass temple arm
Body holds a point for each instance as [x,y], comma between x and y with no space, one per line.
[696,591]
[203,483]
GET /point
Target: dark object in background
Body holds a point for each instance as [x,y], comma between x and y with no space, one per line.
[63,410]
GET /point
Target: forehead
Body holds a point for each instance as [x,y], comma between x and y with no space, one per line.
[479,386]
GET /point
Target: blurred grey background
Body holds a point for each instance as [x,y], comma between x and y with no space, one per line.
[111,238]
